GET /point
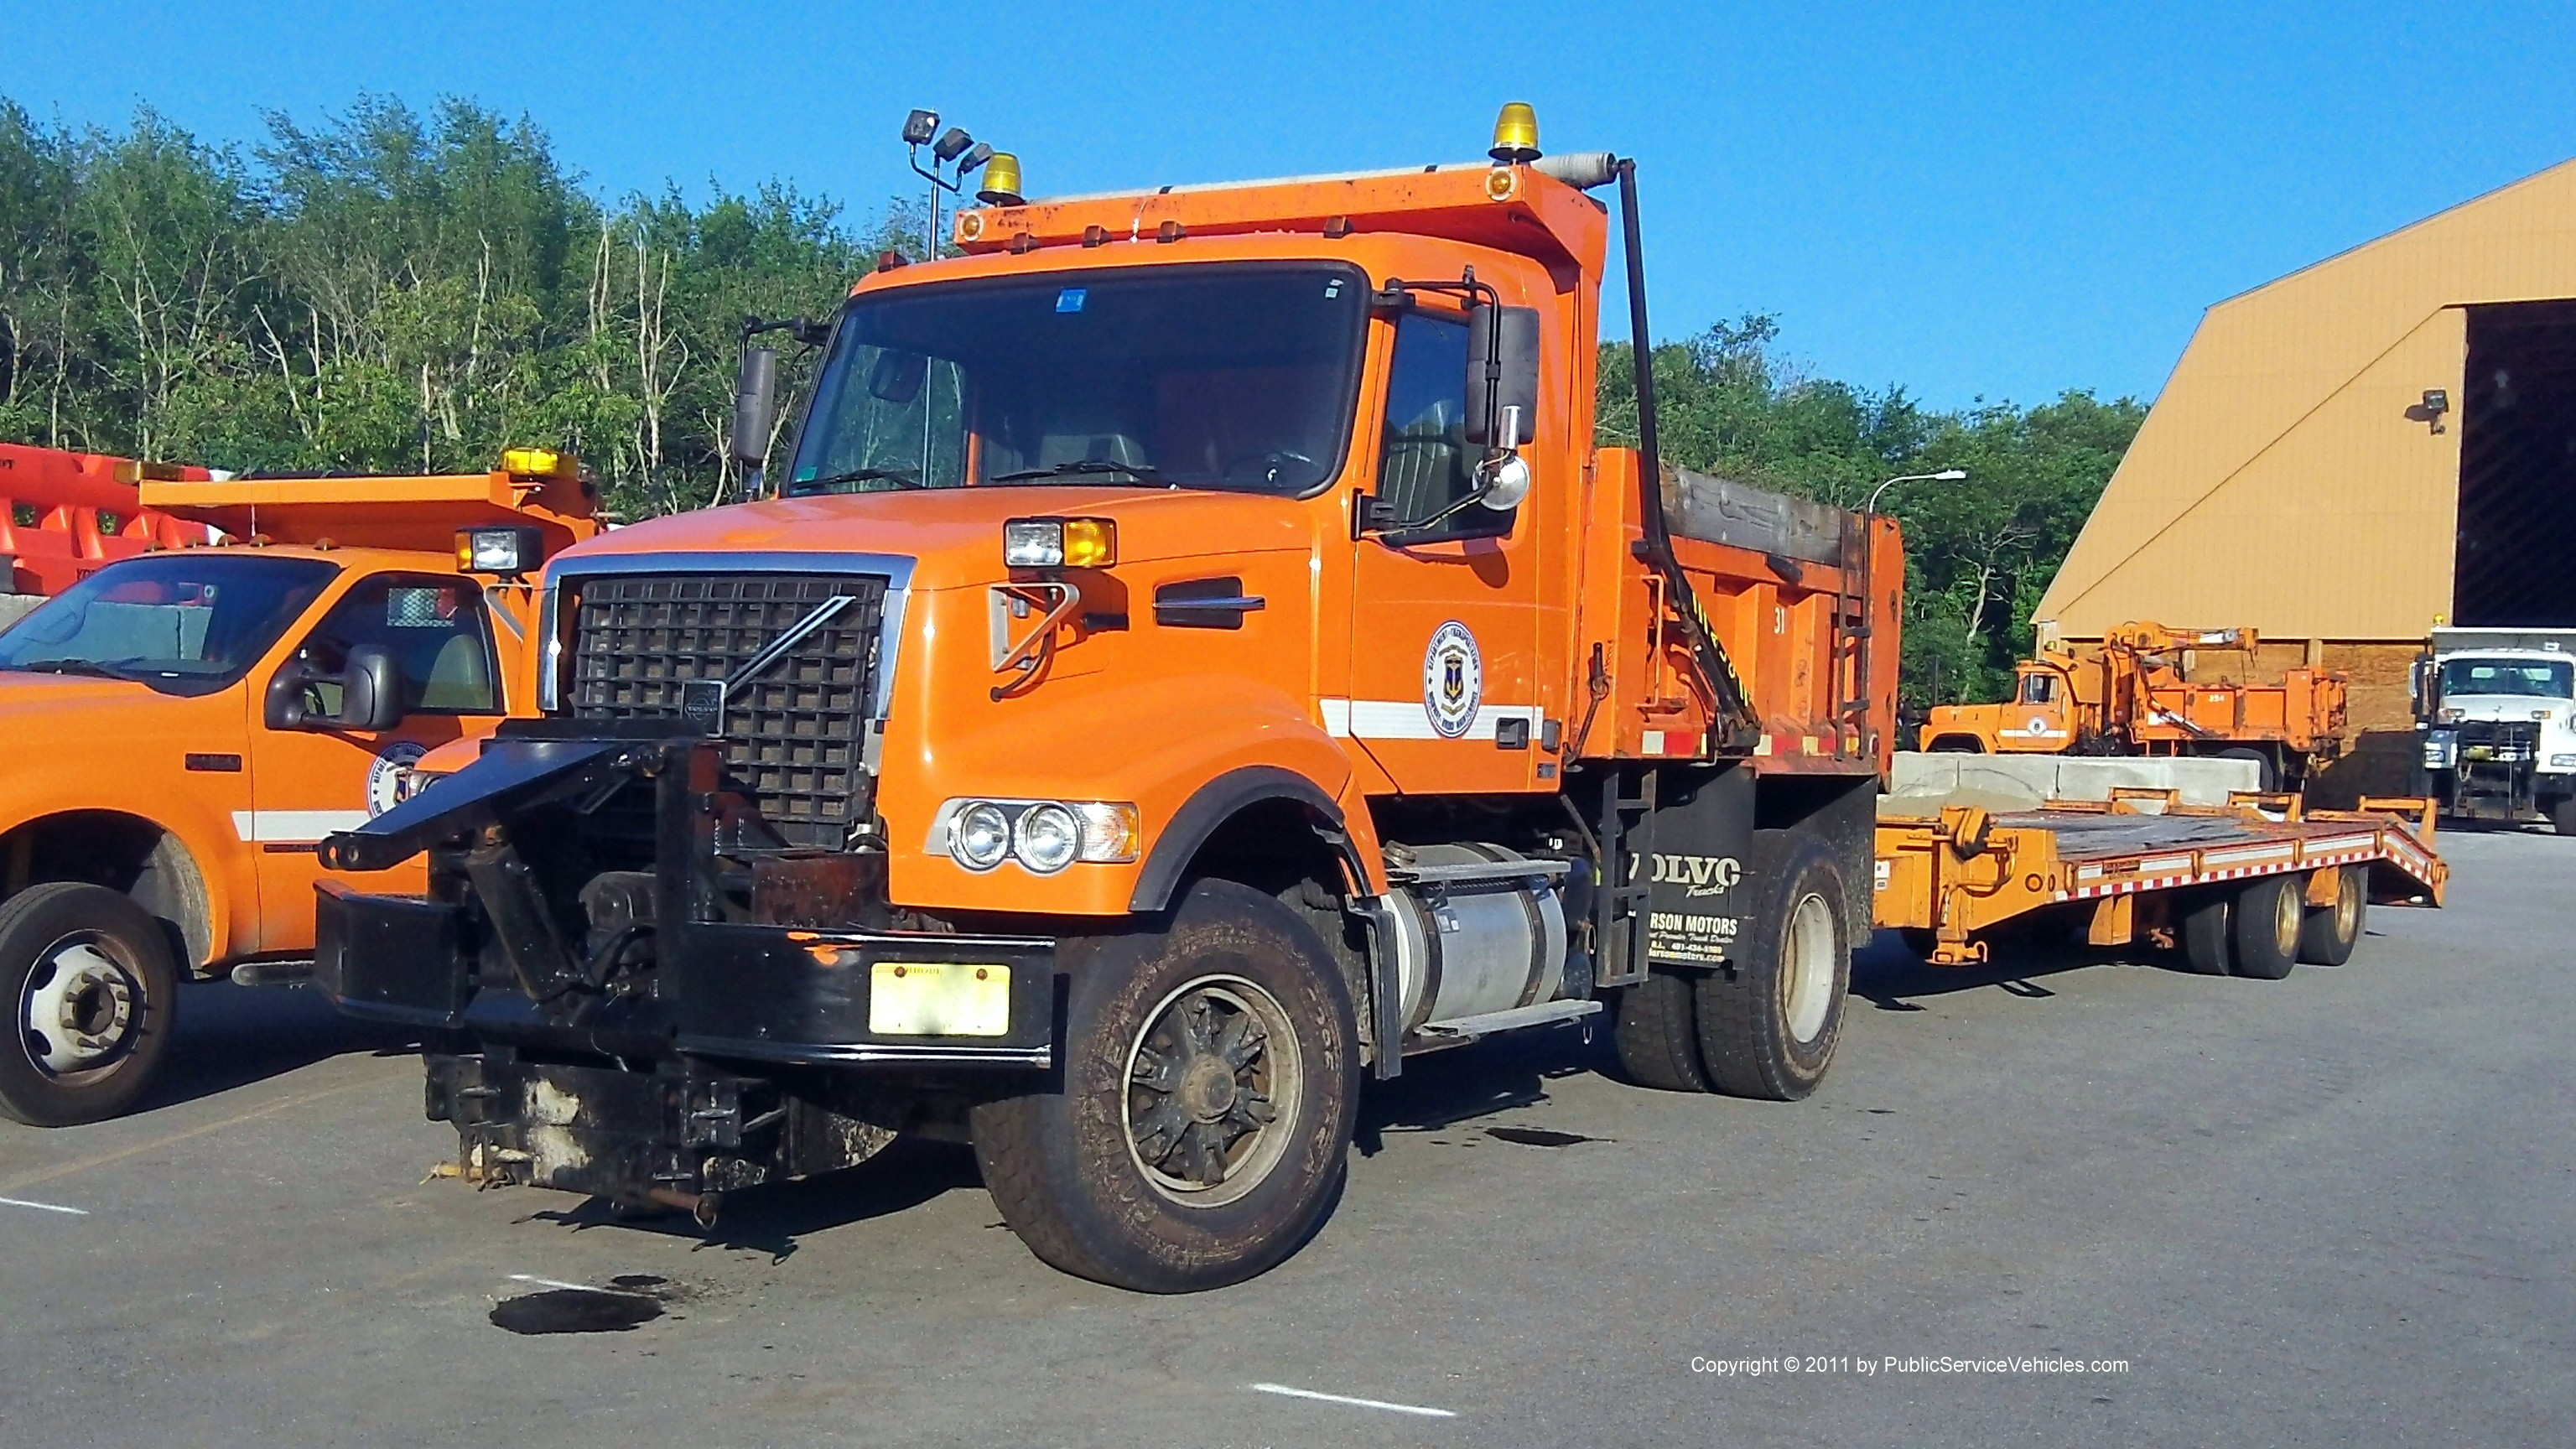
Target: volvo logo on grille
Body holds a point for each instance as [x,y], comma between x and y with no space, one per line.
[702,703]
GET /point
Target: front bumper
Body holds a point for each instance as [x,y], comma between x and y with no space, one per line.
[755,993]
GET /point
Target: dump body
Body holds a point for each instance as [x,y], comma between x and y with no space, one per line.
[2130,697]
[1952,875]
[205,715]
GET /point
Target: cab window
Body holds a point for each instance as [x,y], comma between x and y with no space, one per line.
[1427,463]
[435,629]
[2039,689]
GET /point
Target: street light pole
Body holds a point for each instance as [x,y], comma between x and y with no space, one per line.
[1946,475]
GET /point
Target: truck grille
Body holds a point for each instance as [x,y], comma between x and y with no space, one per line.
[793,732]
[2502,741]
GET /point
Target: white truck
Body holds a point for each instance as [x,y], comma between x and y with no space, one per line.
[2496,711]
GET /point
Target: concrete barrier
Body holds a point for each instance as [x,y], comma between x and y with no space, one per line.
[14,607]
[2030,779]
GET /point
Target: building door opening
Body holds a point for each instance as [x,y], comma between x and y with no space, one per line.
[2517,468]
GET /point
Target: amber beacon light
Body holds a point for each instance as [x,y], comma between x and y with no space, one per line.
[1515,134]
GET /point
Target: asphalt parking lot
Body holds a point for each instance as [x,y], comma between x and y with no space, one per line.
[2334,1209]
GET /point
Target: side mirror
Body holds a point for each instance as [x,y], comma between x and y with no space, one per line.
[371,690]
[755,405]
[2422,686]
[1502,373]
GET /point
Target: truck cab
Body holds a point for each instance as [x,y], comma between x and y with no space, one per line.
[194,721]
[2040,718]
[2498,721]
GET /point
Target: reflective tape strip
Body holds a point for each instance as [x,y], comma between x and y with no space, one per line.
[2169,881]
[296,827]
[1389,719]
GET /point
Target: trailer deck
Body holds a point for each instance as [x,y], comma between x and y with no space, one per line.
[1949,876]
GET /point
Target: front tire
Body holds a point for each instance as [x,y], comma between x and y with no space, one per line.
[2562,815]
[1769,1022]
[1207,1091]
[93,989]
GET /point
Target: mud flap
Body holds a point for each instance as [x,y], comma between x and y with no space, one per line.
[1695,867]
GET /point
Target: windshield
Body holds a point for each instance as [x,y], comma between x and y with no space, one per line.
[2539,678]
[1234,376]
[184,623]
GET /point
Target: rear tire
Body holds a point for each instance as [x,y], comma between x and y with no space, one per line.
[1203,1120]
[2327,936]
[2268,917]
[92,987]
[1769,1022]
[2205,945]
[1655,1031]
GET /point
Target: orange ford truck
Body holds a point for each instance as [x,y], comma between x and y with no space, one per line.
[188,725]
[1197,658]
[2129,697]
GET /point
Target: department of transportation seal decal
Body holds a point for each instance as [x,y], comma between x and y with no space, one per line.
[1453,680]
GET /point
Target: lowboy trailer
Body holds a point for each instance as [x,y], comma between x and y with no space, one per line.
[2246,889]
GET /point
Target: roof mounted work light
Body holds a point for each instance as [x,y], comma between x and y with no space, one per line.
[919,127]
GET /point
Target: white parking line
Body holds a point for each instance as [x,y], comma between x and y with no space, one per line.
[1285,1391]
[551,1283]
[51,1207]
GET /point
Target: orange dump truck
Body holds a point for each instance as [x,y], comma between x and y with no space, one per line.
[1197,658]
[189,723]
[2129,697]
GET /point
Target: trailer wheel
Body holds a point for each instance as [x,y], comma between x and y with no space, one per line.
[93,986]
[2327,936]
[2268,916]
[1769,1023]
[1654,1029]
[1203,1114]
[2205,945]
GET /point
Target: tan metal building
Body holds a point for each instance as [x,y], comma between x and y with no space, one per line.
[2348,455]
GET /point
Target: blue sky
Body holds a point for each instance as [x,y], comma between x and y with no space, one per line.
[1998,201]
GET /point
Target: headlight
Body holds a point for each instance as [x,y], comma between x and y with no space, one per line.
[1045,836]
[981,837]
[1048,839]
[1053,543]
[2562,762]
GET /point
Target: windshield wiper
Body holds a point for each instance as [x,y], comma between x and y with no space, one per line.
[1088,467]
[901,476]
[93,668]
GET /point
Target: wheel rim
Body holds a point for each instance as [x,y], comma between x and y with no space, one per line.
[81,1008]
[2347,907]
[1807,967]
[2287,915]
[1214,1084]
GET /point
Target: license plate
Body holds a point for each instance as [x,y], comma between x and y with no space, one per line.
[939,998]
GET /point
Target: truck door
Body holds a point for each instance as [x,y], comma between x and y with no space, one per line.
[2037,717]
[308,783]
[1444,678]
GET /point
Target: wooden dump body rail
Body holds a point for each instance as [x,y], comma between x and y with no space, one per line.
[1958,873]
